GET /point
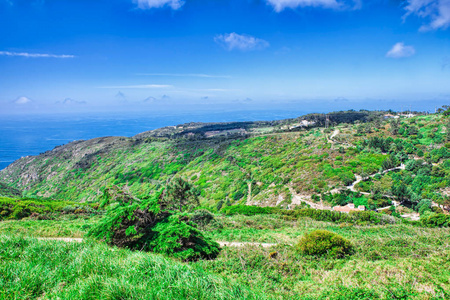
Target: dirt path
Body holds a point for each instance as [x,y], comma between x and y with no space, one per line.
[221,243]
[66,239]
[359,178]
[298,199]
[335,133]
[242,244]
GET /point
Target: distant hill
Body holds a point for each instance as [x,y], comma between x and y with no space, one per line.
[261,163]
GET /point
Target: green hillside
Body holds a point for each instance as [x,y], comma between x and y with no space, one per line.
[264,163]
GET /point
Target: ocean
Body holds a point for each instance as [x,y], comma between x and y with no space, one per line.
[23,135]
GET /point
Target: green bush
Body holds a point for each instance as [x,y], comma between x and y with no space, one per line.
[436,220]
[204,220]
[324,243]
[358,217]
[25,207]
[248,210]
[176,238]
[142,224]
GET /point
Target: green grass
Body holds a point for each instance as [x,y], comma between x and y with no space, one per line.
[396,261]
[32,269]
[62,226]
[390,261]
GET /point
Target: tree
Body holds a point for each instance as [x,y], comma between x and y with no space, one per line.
[447,132]
[395,124]
[400,190]
[178,195]
[389,163]
[413,130]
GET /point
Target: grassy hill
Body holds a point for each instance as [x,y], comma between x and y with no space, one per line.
[260,163]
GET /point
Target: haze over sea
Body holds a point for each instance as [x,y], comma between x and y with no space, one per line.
[23,135]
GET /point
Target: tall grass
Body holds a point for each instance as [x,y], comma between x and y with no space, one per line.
[32,269]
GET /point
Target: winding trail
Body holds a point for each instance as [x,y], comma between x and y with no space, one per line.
[359,178]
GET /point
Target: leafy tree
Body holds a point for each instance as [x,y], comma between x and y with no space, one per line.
[178,195]
[389,163]
[447,131]
[400,190]
[423,206]
[395,124]
[413,130]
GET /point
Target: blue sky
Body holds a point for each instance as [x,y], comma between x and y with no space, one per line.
[58,55]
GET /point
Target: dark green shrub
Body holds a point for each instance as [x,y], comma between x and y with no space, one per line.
[248,210]
[205,220]
[176,238]
[324,243]
[219,205]
[358,217]
[436,220]
[201,217]
[19,208]
[141,224]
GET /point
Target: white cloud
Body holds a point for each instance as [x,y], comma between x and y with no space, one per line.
[435,12]
[22,101]
[148,4]
[142,86]
[399,50]
[280,5]
[243,42]
[35,55]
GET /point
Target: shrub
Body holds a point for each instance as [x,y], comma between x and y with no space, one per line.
[19,208]
[248,210]
[142,224]
[436,220]
[204,220]
[176,238]
[324,243]
[338,217]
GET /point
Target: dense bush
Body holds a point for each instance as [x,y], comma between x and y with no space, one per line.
[324,243]
[248,210]
[358,217]
[143,225]
[175,237]
[436,220]
[205,220]
[25,207]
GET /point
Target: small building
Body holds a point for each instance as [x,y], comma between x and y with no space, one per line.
[349,207]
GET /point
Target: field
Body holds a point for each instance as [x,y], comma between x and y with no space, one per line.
[397,261]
